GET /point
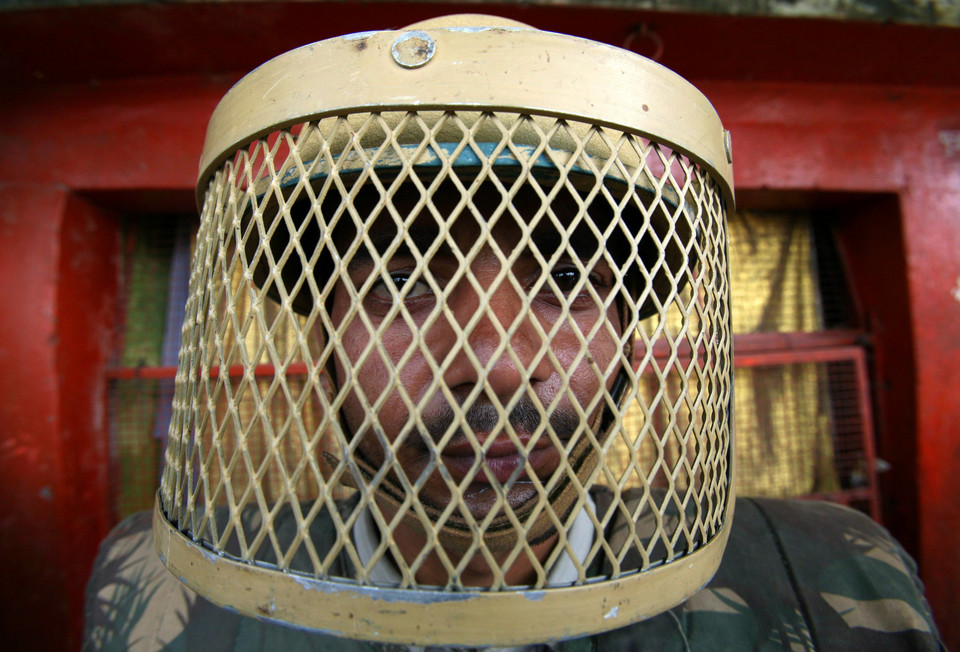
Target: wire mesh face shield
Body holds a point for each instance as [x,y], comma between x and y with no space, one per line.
[456,363]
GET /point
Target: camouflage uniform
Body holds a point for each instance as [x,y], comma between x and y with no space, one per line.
[795,575]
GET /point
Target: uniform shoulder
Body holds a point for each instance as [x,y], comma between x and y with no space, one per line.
[134,603]
[807,512]
[800,575]
[821,573]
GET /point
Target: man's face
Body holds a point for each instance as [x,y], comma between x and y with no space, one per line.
[477,330]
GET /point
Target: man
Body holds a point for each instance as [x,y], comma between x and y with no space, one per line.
[499,392]
[479,270]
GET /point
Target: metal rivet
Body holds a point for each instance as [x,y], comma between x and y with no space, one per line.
[728,145]
[413,49]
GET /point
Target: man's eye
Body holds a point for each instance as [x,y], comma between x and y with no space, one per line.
[568,282]
[401,282]
[566,279]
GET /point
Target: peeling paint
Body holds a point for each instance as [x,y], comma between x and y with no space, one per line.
[209,556]
[356,36]
[381,594]
[612,613]
[951,143]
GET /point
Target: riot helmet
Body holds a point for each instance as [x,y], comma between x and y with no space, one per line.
[457,342]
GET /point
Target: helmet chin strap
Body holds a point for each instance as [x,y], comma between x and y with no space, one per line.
[457,535]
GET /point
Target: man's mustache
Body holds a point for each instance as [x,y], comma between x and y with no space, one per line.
[525,417]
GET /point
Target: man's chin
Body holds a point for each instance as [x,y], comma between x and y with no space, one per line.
[480,499]
[500,532]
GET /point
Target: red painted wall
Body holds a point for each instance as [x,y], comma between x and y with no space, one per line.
[886,140]
[73,158]
[31,459]
[870,235]
[85,138]
[59,290]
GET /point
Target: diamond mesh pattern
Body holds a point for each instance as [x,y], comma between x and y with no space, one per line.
[458,325]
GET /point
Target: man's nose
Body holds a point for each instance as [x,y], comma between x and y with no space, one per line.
[501,344]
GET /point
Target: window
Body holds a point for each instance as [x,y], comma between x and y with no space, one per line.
[154,275]
[803,414]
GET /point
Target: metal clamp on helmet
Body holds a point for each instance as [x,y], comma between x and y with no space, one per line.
[458,341]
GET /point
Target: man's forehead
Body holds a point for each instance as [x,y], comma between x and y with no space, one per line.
[460,233]
[458,217]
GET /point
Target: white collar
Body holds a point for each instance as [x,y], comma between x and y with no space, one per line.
[366,538]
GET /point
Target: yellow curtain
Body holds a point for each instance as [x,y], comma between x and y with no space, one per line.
[133,403]
[781,413]
[260,433]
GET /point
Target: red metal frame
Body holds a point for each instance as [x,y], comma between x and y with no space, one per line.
[811,350]
[58,294]
[751,350]
[233,371]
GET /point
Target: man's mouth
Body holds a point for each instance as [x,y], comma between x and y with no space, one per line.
[503,459]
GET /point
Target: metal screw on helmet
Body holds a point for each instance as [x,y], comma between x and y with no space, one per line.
[413,49]
[457,349]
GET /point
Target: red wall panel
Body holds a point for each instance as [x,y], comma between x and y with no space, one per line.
[85,325]
[32,539]
[888,140]
[59,293]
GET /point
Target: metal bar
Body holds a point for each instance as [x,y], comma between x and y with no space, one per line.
[131,373]
[751,350]
[750,344]
[234,371]
[772,358]
[747,343]
[866,417]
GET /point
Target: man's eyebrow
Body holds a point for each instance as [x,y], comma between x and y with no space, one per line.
[547,239]
[422,237]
